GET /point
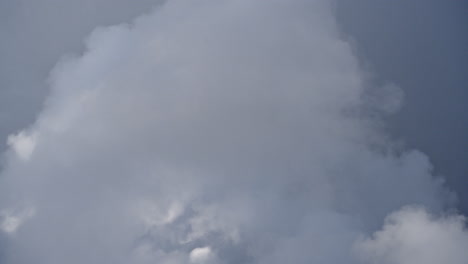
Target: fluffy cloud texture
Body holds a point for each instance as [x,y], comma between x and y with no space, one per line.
[412,236]
[219,132]
[35,34]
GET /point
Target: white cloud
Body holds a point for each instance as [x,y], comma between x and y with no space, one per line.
[227,127]
[413,236]
[201,255]
[23,144]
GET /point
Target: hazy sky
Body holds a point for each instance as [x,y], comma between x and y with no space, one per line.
[220,131]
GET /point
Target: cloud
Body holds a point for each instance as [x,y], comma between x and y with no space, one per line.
[35,35]
[412,235]
[12,220]
[22,144]
[201,255]
[211,131]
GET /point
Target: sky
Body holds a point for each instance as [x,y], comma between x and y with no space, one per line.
[420,46]
[299,131]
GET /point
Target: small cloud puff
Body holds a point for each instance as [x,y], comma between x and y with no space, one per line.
[11,220]
[23,144]
[202,255]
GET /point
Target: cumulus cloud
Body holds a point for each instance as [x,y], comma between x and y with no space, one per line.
[414,236]
[211,132]
[34,36]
